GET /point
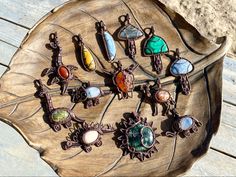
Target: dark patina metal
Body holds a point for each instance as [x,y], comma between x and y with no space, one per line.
[56,116]
[132,139]
[155,94]
[59,73]
[177,126]
[78,137]
[130,45]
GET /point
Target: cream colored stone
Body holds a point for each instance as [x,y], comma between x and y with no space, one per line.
[90,136]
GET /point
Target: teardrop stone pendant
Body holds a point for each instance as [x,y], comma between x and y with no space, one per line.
[108,41]
[129,33]
[180,68]
[154,46]
[85,55]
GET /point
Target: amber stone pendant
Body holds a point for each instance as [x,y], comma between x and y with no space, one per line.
[86,135]
[56,116]
[129,33]
[137,137]
[183,125]
[155,94]
[123,79]
[155,46]
[107,40]
[59,73]
[86,56]
[180,68]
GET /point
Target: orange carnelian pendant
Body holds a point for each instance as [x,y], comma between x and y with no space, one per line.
[155,94]
[58,73]
[123,79]
[85,55]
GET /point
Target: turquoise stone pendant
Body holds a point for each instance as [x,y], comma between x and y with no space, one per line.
[108,41]
[180,68]
[184,125]
[129,33]
[137,137]
[155,46]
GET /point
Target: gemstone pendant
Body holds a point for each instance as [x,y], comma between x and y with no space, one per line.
[155,94]
[137,137]
[129,33]
[87,94]
[59,73]
[87,135]
[155,46]
[184,125]
[56,116]
[180,68]
[108,42]
[123,79]
[85,55]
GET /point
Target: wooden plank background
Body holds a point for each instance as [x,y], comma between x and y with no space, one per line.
[18,159]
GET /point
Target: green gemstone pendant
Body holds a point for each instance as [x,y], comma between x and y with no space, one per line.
[155,46]
[137,137]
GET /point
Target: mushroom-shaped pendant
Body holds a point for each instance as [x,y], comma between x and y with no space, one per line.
[87,135]
[56,116]
[86,57]
[180,68]
[129,33]
[137,137]
[183,125]
[154,46]
[155,94]
[59,73]
[108,41]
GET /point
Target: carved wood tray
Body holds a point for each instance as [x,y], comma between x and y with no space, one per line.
[21,109]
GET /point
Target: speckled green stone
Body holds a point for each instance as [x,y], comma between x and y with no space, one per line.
[60,115]
[155,45]
[139,134]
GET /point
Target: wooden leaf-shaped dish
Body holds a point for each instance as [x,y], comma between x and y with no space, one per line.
[21,109]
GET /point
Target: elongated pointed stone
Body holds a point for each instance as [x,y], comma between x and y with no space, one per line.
[155,45]
[181,66]
[111,47]
[130,32]
[88,60]
[92,92]
[59,115]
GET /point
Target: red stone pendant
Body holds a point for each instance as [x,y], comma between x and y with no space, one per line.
[63,72]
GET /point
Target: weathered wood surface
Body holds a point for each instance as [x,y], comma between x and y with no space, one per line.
[225,95]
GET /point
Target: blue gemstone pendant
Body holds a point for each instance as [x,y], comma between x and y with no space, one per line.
[108,41]
[180,68]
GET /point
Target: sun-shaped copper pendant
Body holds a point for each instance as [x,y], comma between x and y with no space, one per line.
[87,135]
[137,137]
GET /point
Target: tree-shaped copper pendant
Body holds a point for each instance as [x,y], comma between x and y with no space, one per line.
[137,137]
[59,73]
[129,33]
[56,116]
[87,135]
[180,68]
[155,94]
[155,46]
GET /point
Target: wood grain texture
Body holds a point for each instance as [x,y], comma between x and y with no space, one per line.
[20,108]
